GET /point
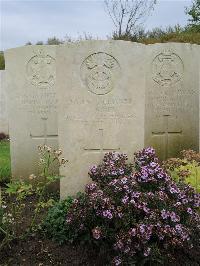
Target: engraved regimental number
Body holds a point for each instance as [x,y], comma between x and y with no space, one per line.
[99,72]
[41,70]
[167,68]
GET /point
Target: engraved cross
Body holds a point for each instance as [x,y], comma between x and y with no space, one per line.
[100,147]
[166,132]
[44,136]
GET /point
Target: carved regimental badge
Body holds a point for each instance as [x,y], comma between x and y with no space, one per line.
[41,70]
[167,68]
[99,72]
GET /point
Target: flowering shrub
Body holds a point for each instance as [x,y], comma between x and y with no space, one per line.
[138,213]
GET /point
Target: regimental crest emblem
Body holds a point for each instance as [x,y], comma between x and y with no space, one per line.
[99,72]
[167,68]
[41,70]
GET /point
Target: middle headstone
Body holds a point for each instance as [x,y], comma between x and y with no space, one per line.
[101,105]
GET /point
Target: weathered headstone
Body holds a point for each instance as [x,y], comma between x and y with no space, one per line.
[101,104]
[197,54]
[172,98]
[3,105]
[30,76]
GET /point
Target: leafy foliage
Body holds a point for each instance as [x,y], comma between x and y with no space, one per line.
[160,35]
[186,169]
[5,167]
[54,223]
[54,41]
[2,61]
[194,13]
[141,214]
[19,191]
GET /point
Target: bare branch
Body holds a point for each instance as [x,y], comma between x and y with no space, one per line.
[126,15]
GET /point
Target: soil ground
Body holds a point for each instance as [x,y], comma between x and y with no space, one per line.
[37,251]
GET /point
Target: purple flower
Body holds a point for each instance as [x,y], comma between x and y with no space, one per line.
[124,180]
[142,228]
[125,199]
[189,210]
[172,190]
[121,171]
[145,209]
[174,217]
[178,203]
[68,220]
[113,182]
[178,228]
[164,214]
[107,214]
[132,201]
[132,231]
[114,172]
[119,244]
[184,201]
[117,261]
[153,164]
[93,170]
[147,252]
[135,194]
[91,187]
[160,176]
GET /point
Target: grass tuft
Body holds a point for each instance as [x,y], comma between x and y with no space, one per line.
[5,166]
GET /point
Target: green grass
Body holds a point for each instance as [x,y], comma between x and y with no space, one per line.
[5,167]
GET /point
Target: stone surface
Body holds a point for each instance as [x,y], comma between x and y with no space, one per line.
[3,106]
[197,55]
[30,78]
[101,90]
[172,98]
[113,96]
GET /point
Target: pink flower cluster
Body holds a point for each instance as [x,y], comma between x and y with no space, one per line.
[134,209]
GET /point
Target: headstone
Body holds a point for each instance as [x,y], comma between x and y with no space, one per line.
[172,98]
[198,56]
[101,89]
[31,76]
[3,106]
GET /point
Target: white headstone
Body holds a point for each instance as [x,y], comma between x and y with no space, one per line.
[198,56]
[31,76]
[101,90]
[172,98]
